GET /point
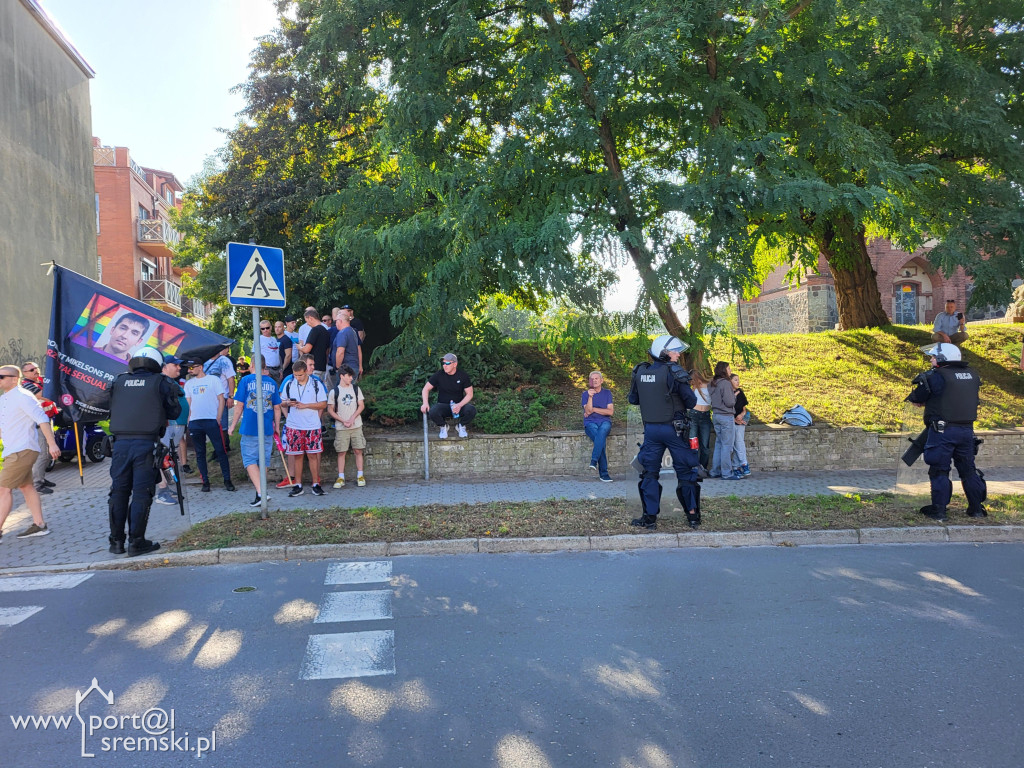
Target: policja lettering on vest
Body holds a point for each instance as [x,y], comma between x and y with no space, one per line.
[662,390]
[141,403]
[949,394]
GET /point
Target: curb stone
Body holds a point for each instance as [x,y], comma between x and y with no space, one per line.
[620,542]
[928,534]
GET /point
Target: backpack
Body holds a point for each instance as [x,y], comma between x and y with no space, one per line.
[316,388]
[797,416]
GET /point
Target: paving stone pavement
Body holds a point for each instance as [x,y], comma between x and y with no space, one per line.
[77,513]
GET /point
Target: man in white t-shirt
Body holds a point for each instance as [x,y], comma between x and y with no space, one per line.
[220,365]
[270,350]
[344,405]
[305,398]
[21,418]
[205,395]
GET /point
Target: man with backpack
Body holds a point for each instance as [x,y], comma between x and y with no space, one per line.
[344,405]
[305,398]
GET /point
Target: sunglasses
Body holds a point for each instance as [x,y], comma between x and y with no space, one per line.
[264,327]
[447,362]
[8,375]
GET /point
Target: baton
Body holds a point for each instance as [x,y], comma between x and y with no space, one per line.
[284,459]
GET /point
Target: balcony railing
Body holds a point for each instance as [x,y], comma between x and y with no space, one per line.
[157,231]
[160,290]
[194,307]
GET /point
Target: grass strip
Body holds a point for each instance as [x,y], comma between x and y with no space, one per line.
[576,518]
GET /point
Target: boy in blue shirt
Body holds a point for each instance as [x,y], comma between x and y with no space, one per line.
[245,413]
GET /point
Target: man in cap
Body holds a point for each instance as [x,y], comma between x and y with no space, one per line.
[949,394]
[662,390]
[454,393]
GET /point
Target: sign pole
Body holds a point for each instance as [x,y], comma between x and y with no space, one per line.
[257,362]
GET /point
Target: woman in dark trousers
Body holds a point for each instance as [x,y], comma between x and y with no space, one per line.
[700,418]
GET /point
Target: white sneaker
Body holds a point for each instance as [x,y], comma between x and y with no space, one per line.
[443,434]
[461,430]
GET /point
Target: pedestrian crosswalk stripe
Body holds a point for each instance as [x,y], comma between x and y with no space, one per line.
[350,654]
[354,606]
[358,573]
[55,581]
[11,616]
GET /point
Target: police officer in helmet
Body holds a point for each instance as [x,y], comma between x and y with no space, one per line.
[662,390]
[141,402]
[949,395]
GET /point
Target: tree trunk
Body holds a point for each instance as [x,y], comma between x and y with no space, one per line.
[857,298]
[696,355]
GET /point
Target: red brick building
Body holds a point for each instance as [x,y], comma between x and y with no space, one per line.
[912,290]
[134,233]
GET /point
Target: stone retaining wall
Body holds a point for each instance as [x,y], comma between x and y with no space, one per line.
[544,454]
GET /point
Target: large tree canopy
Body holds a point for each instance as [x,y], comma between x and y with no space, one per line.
[430,154]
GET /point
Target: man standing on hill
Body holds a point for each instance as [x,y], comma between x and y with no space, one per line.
[662,390]
[949,395]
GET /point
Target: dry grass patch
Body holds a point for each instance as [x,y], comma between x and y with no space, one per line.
[574,518]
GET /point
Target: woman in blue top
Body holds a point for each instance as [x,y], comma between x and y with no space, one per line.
[597,421]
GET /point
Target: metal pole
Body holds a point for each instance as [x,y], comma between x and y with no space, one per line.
[426,450]
[257,362]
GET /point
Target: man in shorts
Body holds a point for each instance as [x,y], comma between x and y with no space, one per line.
[244,418]
[305,397]
[21,418]
[344,405]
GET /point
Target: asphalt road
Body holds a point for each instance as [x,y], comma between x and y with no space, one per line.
[812,656]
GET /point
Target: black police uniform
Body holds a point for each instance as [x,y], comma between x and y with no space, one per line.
[949,394]
[662,390]
[141,403]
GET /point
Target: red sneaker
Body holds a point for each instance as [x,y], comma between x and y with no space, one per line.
[286,483]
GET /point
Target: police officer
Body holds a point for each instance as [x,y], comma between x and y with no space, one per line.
[662,390]
[141,402]
[949,395]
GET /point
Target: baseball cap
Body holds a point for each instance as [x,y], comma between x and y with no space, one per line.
[290,318]
[450,358]
[345,306]
[172,360]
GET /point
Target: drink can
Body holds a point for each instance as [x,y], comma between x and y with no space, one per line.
[694,444]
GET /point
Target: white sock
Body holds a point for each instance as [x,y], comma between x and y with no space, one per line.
[359,473]
[341,475]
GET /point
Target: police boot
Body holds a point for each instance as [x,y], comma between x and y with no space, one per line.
[138,547]
[116,546]
[693,519]
[932,512]
[648,522]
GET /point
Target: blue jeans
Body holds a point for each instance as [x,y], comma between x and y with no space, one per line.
[700,427]
[598,434]
[725,429]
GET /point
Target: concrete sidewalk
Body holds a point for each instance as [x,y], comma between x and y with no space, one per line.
[77,514]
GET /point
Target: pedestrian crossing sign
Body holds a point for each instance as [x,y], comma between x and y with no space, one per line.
[255,276]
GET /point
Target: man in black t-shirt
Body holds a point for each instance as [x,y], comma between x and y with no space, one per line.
[318,343]
[454,392]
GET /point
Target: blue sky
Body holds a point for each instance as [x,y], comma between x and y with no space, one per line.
[164,72]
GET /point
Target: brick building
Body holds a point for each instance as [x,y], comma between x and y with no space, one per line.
[913,291]
[134,233]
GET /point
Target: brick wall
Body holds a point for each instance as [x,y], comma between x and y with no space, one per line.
[545,454]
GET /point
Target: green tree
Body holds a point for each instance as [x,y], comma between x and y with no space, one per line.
[908,114]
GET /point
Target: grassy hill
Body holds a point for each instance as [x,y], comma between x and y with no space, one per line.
[845,378]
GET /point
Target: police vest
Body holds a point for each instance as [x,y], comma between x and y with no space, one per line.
[137,406]
[658,402]
[959,401]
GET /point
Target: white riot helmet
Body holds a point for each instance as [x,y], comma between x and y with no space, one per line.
[146,358]
[667,343]
[942,351]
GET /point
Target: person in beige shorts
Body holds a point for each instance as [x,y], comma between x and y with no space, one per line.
[20,419]
[344,405]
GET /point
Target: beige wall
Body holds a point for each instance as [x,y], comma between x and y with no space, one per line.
[47,209]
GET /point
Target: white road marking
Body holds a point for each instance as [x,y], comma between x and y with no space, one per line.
[56,581]
[11,616]
[354,606]
[358,573]
[352,654]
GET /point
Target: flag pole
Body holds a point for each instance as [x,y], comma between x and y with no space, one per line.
[78,452]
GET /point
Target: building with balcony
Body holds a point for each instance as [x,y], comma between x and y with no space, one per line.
[47,210]
[134,233]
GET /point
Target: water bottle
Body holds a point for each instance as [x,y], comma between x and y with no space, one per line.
[454,414]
